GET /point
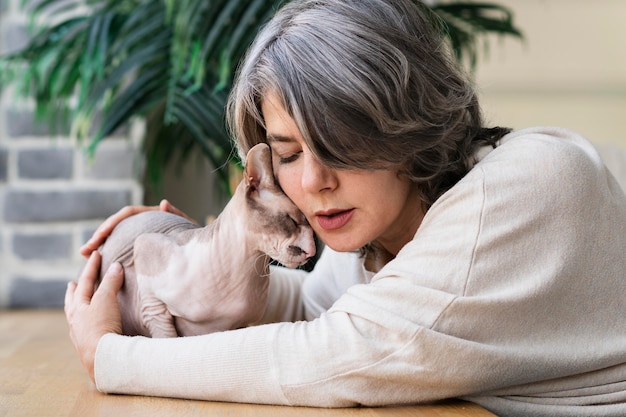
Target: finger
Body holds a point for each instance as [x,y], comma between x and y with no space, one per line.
[69,296]
[111,281]
[89,247]
[87,280]
[165,205]
[105,229]
[98,237]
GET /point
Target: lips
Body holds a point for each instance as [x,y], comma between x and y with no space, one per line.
[333,219]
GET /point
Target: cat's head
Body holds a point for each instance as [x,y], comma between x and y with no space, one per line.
[281,230]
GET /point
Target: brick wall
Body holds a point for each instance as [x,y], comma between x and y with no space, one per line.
[52,196]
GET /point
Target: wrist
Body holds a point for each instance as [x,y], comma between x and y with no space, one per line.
[89,357]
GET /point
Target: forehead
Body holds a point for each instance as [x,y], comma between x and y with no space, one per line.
[272,105]
[279,125]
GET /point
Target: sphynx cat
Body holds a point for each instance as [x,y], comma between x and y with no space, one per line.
[182,279]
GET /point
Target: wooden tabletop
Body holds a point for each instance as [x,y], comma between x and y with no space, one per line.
[40,375]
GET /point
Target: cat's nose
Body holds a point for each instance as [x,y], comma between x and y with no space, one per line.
[296,250]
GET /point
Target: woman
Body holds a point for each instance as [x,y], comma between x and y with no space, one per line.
[460,261]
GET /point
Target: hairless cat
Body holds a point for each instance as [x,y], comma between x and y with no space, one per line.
[182,279]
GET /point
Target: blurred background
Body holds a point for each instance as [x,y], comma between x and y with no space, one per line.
[569,70]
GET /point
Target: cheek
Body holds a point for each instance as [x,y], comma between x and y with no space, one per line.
[289,182]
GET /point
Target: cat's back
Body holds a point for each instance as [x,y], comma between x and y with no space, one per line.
[119,245]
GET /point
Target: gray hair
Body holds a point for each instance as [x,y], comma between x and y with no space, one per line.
[371,84]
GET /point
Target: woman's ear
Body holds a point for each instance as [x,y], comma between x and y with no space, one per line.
[258,171]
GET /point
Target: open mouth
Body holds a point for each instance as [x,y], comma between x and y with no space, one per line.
[335,219]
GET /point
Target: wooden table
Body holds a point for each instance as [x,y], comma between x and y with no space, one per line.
[40,375]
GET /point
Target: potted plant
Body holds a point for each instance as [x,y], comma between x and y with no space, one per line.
[104,62]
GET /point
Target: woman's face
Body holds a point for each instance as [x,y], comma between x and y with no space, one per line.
[346,208]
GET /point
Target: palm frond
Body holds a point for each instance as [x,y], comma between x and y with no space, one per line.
[465,22]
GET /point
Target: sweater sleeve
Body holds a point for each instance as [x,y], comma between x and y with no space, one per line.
[510,280]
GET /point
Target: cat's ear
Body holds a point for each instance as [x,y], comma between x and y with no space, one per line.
[258,172]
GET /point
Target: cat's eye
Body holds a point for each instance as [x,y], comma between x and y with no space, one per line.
[293,221]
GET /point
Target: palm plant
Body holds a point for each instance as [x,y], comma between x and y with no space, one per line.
[170,62]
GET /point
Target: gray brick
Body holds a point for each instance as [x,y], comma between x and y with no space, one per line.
[45,163]
[21,123]
[112,164]
[3,165]
[30,293]
[42,246]
[72,205]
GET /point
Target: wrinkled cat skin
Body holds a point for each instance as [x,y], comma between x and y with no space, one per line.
[183,280]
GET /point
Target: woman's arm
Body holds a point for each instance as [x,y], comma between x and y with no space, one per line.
[481,299]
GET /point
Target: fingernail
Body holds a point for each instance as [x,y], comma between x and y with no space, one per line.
[115,268]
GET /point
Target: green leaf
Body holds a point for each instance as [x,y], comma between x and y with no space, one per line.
[465,22]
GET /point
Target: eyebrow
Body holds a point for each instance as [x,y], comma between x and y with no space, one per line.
[278,138]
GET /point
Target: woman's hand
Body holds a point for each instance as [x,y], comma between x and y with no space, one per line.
[93,313]
[105,229]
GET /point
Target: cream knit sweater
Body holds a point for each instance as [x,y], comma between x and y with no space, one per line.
[512,294]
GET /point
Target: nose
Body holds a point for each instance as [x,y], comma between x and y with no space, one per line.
[316,177]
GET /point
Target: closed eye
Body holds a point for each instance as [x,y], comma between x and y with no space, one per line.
[285,148]
[287,159]
[292,221]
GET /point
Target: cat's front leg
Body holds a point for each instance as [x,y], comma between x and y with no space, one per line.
[154,314]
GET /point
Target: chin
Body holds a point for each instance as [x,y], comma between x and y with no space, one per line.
[343,246]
